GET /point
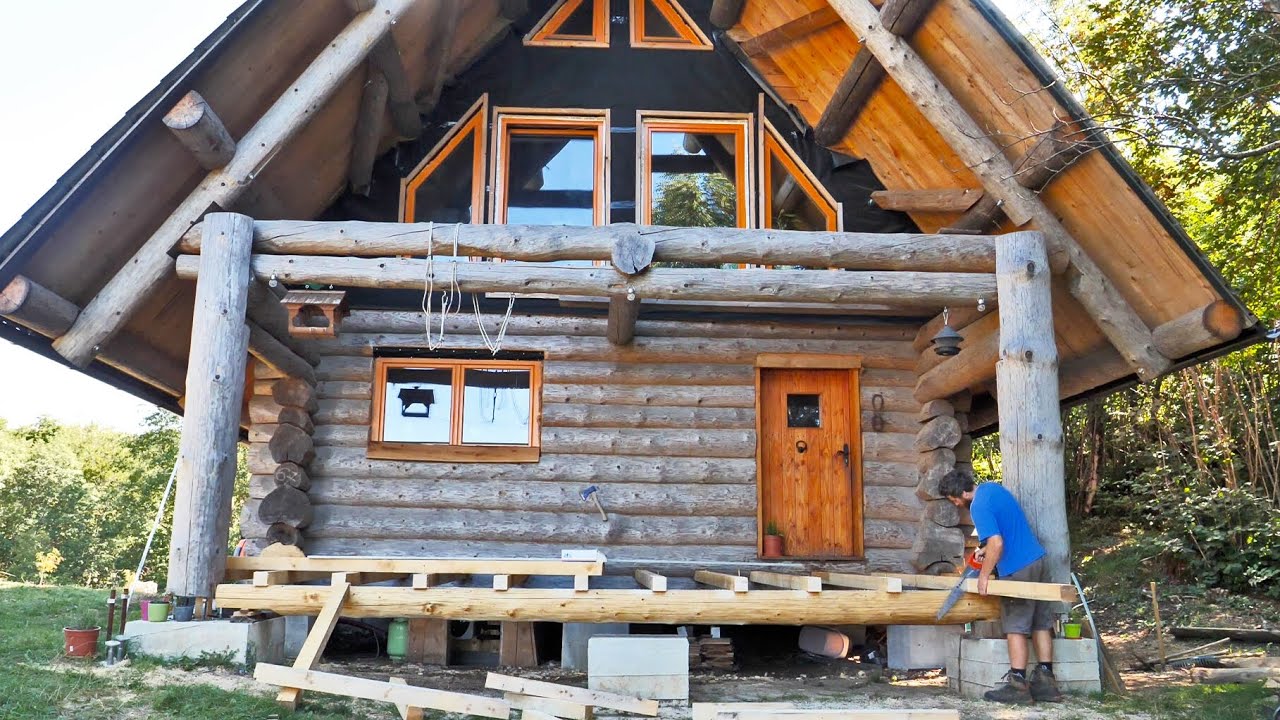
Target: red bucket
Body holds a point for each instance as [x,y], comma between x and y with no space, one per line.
[80,643]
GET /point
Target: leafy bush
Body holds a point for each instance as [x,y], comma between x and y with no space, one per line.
[1223,538]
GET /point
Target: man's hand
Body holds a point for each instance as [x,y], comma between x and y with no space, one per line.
[982,584]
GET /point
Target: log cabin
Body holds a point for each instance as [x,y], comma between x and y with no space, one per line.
[493,279]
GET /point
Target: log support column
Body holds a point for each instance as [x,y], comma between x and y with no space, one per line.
[1027,395]
[215,388]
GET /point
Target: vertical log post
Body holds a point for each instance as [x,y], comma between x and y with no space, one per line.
[210,430]
[1027,394]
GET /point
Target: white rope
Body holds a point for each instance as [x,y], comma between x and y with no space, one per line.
[494,344]
[450,297]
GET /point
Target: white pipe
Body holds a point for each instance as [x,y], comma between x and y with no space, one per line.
[155,525]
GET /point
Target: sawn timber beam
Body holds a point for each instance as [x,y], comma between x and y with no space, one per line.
[673,607]
[898,289]
[1087,283]
[545,243]
[138,277]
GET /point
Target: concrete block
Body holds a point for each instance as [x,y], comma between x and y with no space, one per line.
[975,666]
[243,643]
[654,667]
[920,647]
[296,629]
[573,641]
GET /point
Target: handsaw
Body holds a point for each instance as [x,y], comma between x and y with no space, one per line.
[971,570]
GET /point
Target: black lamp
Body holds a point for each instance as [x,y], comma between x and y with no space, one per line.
[947,342]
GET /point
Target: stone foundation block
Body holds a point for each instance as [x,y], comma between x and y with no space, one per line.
[654,667]
[976,666]
[241,643]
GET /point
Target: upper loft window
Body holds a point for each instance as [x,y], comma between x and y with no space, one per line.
[794,199]
[572,23]
[550,168]
[692,170]
[457,410]
[663,24]
[448,185]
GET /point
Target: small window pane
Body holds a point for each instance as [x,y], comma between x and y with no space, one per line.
[656,26]
[551,180]
[790,206]
[497,405]
[418,404]
[803,411]
[694,180]
[445,196]
[580,23]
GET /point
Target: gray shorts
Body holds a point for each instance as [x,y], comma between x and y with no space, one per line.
[1020,616]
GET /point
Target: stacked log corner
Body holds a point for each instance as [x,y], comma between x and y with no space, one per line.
[944,444]
[281,411]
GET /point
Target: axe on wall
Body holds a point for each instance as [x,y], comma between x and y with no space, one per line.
[592,493]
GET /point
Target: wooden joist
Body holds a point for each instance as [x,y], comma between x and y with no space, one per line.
[939,201]
[440,41]
[34,306]
[551,706]
[623,314]
[504,582]
[862,582]
[895,289]
[239,566]
[973,145]
[317,639]
[919,252]
[1213,324]
[385,60]
[651,580]
[367,134]
[275,354]
[700,607]
[850,714]
[724,581]
[149,267]
[789,32]
[708,711]
[201,131]
[594,698]
[346,685]
[807,583]
[1052,592]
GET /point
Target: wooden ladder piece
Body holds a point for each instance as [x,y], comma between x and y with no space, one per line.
[595,698]
[566,709]
[313,647]
[407,712]
[409,695]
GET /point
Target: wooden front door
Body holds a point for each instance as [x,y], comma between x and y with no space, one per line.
[810,461]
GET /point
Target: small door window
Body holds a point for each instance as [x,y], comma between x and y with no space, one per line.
[804,411]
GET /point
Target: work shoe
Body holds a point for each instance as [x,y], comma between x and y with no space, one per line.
[1015,692]
[1044,686]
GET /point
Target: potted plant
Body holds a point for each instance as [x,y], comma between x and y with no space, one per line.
[158,610]
[1072,627]
[772,540]
[80,639]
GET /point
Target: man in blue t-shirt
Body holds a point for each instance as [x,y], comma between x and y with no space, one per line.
[1011,550]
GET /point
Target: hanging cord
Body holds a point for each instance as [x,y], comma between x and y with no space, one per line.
[493,343]
[450,297]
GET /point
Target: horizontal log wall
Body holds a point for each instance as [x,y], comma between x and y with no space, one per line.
[665,427]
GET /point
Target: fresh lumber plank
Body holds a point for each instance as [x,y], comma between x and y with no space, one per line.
[724,581]
[950,200]
[544,243]
[1052,592]
[313,646]
[859,714]
[263,578]
[503,581]
[652,580]
[551,706]
[407,712]
[1237,634]
[594,698]
[674,607]
[708,711]
[862,582]
[410,566]
[808,583]
[152,265]
[334,684]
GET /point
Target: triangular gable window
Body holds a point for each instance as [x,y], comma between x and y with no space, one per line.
[664,24]
[572,23]
[794,199]
[448,185]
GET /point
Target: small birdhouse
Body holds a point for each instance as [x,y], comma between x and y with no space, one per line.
[315,313]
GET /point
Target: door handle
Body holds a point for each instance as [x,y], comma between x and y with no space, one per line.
[843,454]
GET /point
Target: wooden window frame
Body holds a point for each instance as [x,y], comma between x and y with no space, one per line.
[813,361]
[773,144]
[565,123]
[741,125]
[542,34]
[455,450]
[677,18]
[474,119]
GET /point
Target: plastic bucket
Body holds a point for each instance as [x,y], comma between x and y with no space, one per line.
[157,612]
[80,642]
[183,613]
[142,613]
[1071,631]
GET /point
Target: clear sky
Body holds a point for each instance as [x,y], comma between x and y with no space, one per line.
[71,69]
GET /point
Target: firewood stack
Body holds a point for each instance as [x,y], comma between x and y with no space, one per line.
[944,444]
[281,409]
[708,653]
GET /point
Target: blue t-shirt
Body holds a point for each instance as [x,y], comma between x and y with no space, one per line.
[996,511]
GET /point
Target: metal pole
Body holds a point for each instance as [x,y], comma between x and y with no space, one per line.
[164,501]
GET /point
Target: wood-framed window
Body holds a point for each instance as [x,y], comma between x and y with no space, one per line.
[664,25]
[448,185]
[692,169]
[572,23]
[793,197]
[456,410]
[550,167]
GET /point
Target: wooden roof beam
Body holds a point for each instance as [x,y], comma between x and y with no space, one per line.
[938,201]
[439,50]
[726,13]
[385,59]
[368,133]
[541,243]
[862,79]
[623,314]
[789,32]
[905,289]
[138,277]
[34,306]
[1087,283]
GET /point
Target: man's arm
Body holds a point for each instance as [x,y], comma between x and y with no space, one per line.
[994,549]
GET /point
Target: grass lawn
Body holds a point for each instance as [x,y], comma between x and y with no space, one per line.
[36,683]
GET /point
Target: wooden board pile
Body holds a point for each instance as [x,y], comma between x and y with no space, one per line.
[708,653]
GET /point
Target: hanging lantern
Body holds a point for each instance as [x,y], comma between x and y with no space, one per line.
[947,342]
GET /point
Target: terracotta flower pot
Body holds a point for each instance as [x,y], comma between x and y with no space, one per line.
[80,642]
[773,546]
